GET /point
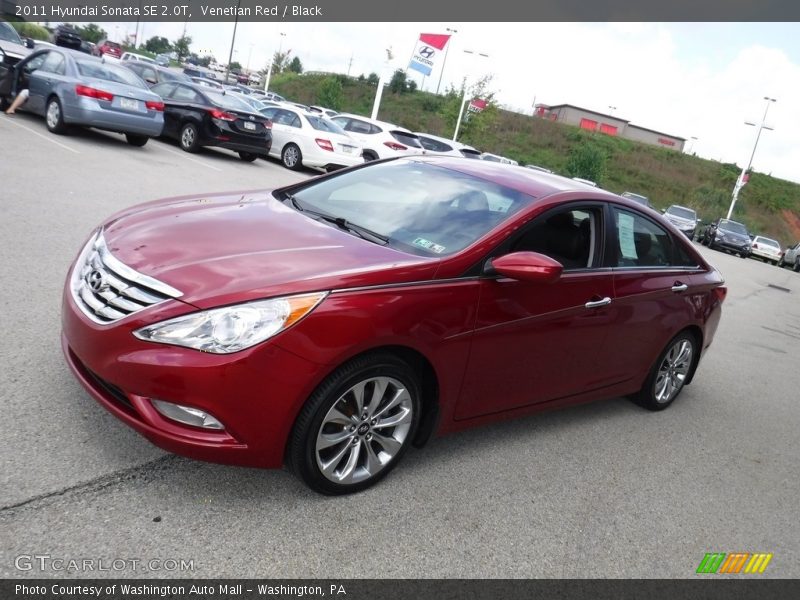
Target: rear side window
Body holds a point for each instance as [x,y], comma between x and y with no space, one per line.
[409,139]
[640,242]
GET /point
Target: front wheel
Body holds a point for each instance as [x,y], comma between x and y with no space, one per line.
[357,425]
[136,140]
[54,116]
[669,373]
[248,156]
[796,267]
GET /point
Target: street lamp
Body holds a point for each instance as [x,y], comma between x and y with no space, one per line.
[464,99]
[444,60]
[611,110]
[272,61]
[233,41]
[692,139]
[741,181]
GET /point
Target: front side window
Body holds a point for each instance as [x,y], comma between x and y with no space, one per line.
[420,208]
[568,236]
[54,63]
[640,242]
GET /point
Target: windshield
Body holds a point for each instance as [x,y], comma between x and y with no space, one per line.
[8,33]
[683,213]
[108,72]
[733,227]
[421,208]
[321,124]
[228,101]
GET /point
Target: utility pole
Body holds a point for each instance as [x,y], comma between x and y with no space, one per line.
[742,177]
[464,99]
[349,64]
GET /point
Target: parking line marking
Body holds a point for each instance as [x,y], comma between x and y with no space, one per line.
[44,137]
[183,155]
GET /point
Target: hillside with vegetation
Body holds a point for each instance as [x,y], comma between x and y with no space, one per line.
[767,205]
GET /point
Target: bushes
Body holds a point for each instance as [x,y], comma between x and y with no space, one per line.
[32,30]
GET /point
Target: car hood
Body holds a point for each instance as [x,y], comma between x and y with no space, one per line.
[732,235]
[225,249]
[14,50]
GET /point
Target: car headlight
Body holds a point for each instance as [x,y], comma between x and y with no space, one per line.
[232,328]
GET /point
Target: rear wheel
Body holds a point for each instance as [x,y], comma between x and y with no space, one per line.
[291,157]
[188,138]
[248,156]
[357,425]
[54,116]
[136,140]
[369,155]
[796,267]
[669,373]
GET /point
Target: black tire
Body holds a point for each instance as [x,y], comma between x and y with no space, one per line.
[136,140]
[188,138]
[4,103]
[796,267]
[781,264]
[55,122]
[303,456]
[248,156]
[369,155]
[648,396]
[291,157]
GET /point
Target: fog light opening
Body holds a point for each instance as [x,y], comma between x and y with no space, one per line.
[186,415]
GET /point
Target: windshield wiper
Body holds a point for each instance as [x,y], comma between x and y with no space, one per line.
[340,222]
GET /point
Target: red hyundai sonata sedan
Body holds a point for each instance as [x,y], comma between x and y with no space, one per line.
[331,324]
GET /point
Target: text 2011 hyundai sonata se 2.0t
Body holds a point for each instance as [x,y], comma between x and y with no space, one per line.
[331,324]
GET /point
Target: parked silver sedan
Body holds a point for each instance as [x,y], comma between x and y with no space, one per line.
[70,88]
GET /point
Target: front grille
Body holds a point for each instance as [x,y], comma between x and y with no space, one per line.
[107,290]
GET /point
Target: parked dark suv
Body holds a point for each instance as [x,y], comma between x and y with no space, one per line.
[67,37]
[727,235]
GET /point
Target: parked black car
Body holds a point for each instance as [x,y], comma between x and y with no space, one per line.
[683,218]
[198,116]
[153,74]
[67,36]
[727,235]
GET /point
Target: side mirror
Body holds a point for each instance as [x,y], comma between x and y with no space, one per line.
[29,43]
[150,80]
[526,266]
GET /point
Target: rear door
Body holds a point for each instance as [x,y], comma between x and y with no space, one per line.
[655,293]
[44,80]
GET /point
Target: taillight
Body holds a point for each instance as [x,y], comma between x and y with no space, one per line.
[324,144]
[755,245]
[721,293]
[222,115]
[395,146]
[151,105]
[268,124]
[90,92]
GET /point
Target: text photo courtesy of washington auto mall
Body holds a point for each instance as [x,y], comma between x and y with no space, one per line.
[361,300]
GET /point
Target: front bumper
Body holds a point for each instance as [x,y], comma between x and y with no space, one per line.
[256,393]
[732,246]
[764,255]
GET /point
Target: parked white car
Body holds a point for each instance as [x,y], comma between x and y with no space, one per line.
[326,112]
[254,79]
[301,139]
[497,158]
[126,56]
[766,249]
[379,139]
[434,144]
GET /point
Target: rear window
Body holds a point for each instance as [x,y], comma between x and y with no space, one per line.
[107,72]
[113,45]
[409,139]
[321,124]
[434,145]
[228,101]
[767,242]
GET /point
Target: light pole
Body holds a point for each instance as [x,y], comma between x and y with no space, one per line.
[692,140]
[464,99]
[233,41]
[741,181]
[444,60]
[272,61]
[249,54]
[611,110]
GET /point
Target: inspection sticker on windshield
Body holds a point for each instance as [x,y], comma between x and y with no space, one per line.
[429,245]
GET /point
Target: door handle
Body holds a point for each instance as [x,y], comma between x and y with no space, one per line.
[598,303]
[679,287]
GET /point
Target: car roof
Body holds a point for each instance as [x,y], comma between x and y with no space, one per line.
[683,207]
[376,122]
[527,181]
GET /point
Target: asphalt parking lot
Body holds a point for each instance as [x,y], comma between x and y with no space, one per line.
[603,490]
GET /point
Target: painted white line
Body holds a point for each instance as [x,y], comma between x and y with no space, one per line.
[10,119]
[183,155]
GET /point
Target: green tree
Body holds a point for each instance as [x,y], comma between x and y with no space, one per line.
[588,161]
[92,33]
[330,93]
[280,61]
[296,66]
[158,45]
[31,30]
[373,79]
[411,85]
[235,66]
[397,85]
[181,46]
[361,78]
[473,125]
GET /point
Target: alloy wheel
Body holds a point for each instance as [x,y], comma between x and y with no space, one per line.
[53,114]
[364,430]
[187,137]
[673,371]
[290,156]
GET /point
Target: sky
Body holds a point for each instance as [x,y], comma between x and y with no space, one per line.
[701,80]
